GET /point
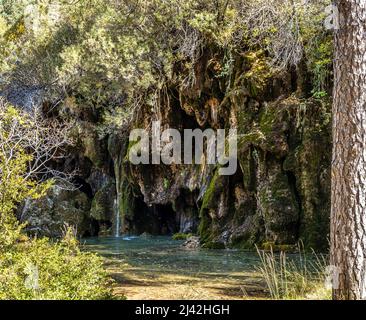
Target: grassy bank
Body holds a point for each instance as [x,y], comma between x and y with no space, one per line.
[301,277]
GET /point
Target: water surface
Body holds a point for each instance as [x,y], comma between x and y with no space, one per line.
[147,268]
[163,253]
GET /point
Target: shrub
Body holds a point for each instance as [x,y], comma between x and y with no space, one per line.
[37,268]
[40,269]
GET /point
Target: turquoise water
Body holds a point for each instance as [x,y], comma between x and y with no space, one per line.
[162,253]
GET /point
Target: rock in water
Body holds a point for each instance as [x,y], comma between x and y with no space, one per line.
[192,243]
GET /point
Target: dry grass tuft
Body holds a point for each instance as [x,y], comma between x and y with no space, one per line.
[287,278]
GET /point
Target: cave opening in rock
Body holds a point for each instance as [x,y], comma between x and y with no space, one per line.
[157,219]
[83,186]
[95,227]
[165,219]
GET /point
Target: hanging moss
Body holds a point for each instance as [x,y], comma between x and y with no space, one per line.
[209,194]
[181,236]
[127,203]
[103,203]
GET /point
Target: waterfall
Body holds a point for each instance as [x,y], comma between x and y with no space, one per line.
[118,156]
[117,217]
[117,213]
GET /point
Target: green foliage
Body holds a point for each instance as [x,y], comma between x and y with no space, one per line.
[115,56]
[320,63]
[317,46]
[181,236]
[258,71]
[37,268]
[14,184]
[166,183]
[40,269]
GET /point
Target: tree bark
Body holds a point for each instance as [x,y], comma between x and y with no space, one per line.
[348,211]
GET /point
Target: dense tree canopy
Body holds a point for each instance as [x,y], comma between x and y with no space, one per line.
[116,54]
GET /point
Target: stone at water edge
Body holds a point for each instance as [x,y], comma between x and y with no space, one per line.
[145,235]
[192,243]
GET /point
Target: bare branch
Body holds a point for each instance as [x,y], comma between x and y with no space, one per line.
[44,140]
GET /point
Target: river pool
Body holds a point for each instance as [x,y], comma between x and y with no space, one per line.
[160,268]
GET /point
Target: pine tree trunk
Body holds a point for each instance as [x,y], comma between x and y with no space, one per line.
[348,216]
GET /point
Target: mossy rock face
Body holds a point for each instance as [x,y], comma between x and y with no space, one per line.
[47,216]
[93,147]
[311,162]
[247,166]
[205,228]
[306,167]
[277,203]
[117,145]
[246,234]
[103,205]
[280,193]
[213,209]
[127,205]
[214,188]
[181,236]
[273,124]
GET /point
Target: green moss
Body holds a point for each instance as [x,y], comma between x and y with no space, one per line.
[247,166]
[254,137]
[181,236]
[166,183]
[209,196]
[102,205]
[245,115]
[131,143]
[208,201]
[127,203]
[312,170]
[204,228]
[267,119]
[258,71]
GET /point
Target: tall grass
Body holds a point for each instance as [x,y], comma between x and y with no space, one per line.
[296,277]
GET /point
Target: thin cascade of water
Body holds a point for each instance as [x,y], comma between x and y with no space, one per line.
[117,218]
[117,213]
